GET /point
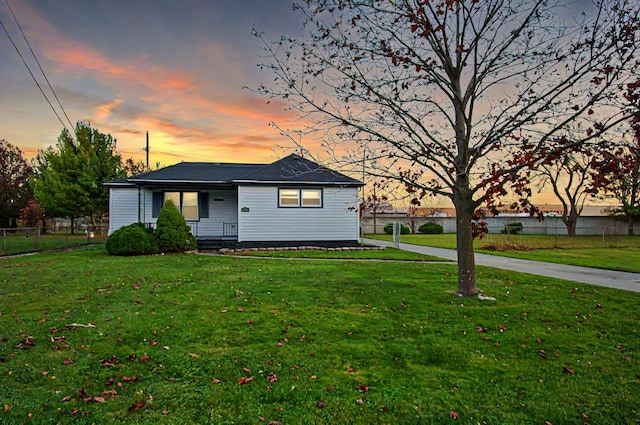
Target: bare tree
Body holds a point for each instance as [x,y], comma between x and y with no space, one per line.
[456,98]
[569,178]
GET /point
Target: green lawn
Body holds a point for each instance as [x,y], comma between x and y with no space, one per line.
[616,253]
[176,339]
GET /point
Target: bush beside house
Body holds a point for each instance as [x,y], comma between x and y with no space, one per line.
[134,239]
[171,235]
[172,232]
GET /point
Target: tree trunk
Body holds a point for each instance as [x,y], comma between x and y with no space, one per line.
[571,221]
[463,201]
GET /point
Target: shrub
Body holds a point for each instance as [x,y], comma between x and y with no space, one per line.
[172,232]
[32,215]
[404,230]
[134,239]
[512,228]
[431,229]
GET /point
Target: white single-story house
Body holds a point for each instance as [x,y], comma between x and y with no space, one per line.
[291,202]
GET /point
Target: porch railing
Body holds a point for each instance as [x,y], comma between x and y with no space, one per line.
[229,229]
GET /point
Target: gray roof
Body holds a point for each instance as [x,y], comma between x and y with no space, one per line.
[292,169]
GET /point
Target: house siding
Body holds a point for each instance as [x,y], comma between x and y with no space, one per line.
[223,208]
[337,220]
[123,203]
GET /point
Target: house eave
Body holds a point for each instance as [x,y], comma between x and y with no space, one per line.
[118,184]
[299,183]
[136,181]
[156,184]
[177,184]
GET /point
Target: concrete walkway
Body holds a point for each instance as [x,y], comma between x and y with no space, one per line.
[608,278]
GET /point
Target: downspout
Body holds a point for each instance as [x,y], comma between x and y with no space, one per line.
[139,205]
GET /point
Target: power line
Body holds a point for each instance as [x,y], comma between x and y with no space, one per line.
[33,76]
[38,62]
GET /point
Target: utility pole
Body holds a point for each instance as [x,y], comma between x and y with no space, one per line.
[147,150]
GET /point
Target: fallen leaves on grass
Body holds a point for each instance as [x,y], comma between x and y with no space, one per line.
[453,415]
[245,380]
[138,405]
[109,362]
[26,343]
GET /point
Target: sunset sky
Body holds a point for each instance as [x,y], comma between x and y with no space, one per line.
[175,69]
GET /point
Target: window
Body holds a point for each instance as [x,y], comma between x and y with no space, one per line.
[186,202]
[289,198]
[190,205]
[306,198]
[311,198]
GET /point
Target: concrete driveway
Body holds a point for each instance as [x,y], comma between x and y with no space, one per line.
[609,278]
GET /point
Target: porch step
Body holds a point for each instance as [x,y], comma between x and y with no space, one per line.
[205,244]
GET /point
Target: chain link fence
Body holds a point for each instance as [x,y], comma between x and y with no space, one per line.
[24,240]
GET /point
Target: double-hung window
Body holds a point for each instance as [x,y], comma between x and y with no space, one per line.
[299,198]
[186,202]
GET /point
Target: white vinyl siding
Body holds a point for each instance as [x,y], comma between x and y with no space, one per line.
[223,208]
[261,219]
[123,207]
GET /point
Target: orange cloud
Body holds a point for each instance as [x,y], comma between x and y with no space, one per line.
[103,111]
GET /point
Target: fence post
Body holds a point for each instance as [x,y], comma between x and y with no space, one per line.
[397,230]
[603,236]
[38,245]
[4,240]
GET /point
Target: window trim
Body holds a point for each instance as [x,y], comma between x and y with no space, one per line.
[300,192]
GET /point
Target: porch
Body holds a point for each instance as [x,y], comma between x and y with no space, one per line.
[227,239]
